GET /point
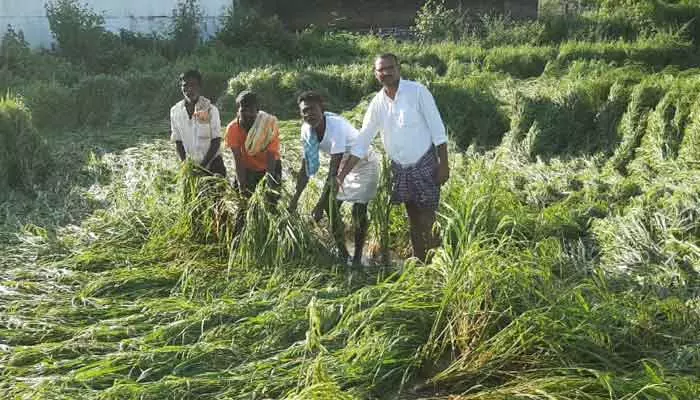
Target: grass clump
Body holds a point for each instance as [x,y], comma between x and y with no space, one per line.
[632,127]
[519,62]
[23,159]
[471,109]
[658,51]
[568,117]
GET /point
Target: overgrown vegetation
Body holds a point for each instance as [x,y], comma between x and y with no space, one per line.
[569,266]
[185,29]
[24,161]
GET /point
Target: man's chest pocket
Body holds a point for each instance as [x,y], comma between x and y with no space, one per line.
[203,130]
[405,117]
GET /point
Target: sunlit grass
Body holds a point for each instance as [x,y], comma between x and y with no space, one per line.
[568,268]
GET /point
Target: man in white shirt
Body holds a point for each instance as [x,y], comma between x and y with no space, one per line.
[332,134]
[195,126]
[415,140]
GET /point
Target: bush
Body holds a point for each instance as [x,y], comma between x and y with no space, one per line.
[149,95]
[19,64]
[81,36]
[247,27]
[427,60]
[53,105]
[14,51]
[24,159]
[184,29]
[593,21]
[436,22]
[499,30]
[316,47]
[150,46]
[77,29]
[98,98]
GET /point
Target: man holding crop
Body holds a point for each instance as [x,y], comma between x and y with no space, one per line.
[415,140]
[254,140]
[332,134]
[195,126]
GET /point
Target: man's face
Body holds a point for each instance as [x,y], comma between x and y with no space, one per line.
[387,72]
[311,113]
[190,89]
[247,114]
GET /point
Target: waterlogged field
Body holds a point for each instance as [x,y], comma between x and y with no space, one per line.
[570,257]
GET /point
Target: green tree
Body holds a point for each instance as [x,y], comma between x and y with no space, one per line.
[185,27]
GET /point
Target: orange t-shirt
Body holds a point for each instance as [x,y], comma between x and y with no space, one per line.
[235,139]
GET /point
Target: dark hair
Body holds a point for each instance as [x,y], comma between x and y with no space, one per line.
[391,56]
[247,98]
[191,74]
[310,96]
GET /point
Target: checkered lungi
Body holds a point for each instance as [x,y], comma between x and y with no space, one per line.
[417,183]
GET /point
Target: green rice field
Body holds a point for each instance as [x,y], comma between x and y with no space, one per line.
[569,266]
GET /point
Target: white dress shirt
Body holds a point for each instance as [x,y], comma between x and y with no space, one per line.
[195,135]
[410,124]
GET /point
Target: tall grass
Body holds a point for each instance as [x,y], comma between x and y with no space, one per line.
[508,306]
[568,264]
[23,159]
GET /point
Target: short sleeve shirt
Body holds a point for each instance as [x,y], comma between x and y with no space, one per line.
[235,139]
[339,137]
[195,134]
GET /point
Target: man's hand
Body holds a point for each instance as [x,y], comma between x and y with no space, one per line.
[180,150]
[343,172]
[339,179]
[443,173]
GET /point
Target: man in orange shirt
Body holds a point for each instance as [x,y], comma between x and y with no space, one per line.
[253,137]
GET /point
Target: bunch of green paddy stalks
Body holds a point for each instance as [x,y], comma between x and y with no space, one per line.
[153,297]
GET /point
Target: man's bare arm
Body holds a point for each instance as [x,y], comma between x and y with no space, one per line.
[211,153]
[271,164]
[241,175]
[180,150]
[331,186]
[349,165]
[302,181]
[444,166]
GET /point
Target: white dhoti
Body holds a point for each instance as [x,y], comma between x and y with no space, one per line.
[360,185]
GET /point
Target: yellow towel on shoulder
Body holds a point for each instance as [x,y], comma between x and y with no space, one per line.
[261,134]
[201,109]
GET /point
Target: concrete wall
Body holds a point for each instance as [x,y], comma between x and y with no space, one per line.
[144,16]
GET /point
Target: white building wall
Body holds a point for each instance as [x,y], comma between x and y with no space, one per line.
[143,16]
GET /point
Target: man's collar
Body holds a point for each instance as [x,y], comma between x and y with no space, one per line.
[398,89]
